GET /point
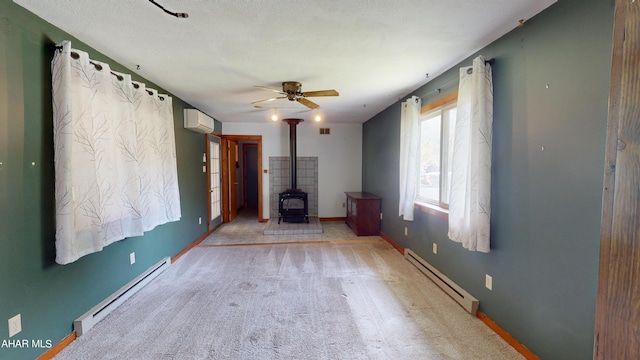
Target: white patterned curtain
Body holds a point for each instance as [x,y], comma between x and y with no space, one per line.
[470,194]
[409,155]
[115,160]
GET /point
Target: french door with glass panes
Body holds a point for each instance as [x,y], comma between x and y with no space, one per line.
[215,190]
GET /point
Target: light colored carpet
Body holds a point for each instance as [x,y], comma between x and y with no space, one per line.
[245,229]
[345,300]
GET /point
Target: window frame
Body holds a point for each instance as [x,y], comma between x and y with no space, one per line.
[438,209]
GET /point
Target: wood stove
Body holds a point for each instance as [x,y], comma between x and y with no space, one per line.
[293,203]
[293,206]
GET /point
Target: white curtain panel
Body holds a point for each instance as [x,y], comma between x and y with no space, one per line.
[470,193]
[409,155]
[115,160]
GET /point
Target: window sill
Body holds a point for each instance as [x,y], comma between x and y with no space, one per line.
[431,209]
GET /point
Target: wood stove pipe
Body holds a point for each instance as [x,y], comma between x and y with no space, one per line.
[292,151]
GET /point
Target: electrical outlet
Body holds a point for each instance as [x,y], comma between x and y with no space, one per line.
[200,220]
[204,168]
[406,231]
[435,248]
[488,282]
[15,325]
[132,258]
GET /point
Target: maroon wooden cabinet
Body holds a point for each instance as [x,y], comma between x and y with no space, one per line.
[363,213]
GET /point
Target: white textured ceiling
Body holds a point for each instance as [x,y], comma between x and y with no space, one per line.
[372,52]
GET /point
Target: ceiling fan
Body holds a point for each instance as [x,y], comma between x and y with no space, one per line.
[292,90]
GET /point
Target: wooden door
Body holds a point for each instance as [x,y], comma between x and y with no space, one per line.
[617,331]
[233,179]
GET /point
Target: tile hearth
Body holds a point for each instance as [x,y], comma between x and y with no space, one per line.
[284,228]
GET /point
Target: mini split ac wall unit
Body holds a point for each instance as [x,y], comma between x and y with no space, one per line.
[197,121]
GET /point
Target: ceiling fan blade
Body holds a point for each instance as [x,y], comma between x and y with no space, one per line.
[270,89]
[320,93]
[276,107]
[308,103]
[268,100]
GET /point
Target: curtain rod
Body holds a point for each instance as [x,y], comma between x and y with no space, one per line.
[98,67]
[56,47]
[490,62]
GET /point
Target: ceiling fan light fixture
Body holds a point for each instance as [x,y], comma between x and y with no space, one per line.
[292,91]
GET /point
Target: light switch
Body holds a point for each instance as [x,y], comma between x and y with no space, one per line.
[488,282]
[15,325]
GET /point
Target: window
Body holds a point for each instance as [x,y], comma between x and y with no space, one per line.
[436,151]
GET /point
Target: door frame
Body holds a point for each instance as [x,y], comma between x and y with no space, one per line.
[617,296]
[225,172]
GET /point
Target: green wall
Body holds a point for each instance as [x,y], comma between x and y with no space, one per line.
[546,205]
[50,296]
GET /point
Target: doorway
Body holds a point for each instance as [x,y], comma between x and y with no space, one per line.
[250,176]
[241,175]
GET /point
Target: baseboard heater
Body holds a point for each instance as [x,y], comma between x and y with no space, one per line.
[465,299]
[85,322]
